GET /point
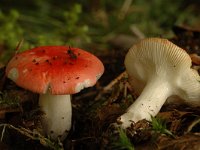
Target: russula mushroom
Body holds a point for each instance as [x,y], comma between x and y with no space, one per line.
[158,69]
[55,72]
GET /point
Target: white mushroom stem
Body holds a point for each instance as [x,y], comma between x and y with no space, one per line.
[148,103]
[158,69]
[57,110]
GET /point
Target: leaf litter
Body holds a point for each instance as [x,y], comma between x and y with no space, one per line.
[96,109]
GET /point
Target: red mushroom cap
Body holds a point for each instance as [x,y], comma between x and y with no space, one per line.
[59,69]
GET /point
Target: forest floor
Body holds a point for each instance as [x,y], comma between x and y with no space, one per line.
[96,109]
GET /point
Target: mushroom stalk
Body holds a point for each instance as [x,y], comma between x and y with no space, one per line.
[57,110]
[148,103]
[158,69]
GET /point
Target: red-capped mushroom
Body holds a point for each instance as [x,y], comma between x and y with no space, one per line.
[55,72]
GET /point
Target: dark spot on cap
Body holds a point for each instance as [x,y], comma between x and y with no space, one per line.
[48,62]
[66,131]
[55,57]
[33,60]
[43,51]
[51,132]
[77,78]
[37,63]
[65,62]
[71,53]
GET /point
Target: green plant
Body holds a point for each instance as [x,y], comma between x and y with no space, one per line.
[7,100]
[34,135]
[37,25]
[11,32]
[123,142]
[159,126]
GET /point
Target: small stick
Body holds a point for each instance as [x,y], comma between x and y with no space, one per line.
[134,29]
[125,7]
[2,133]
[195,58]
[19,45]
[192,125]
[111,84]
[116,80]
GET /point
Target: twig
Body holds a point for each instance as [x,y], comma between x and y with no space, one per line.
[109,87]
[195,58]
[19,45]
[2,133]
[197,121]
[32,135]
[116,80]
[124,9]
[137,32]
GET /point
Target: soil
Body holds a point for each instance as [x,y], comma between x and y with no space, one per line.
[96,109]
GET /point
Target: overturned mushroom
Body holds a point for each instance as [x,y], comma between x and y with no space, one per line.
[55,72]
[158,69]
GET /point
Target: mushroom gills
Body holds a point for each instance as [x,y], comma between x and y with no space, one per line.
[158,69]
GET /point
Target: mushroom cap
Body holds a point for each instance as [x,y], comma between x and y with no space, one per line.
[160,58]
[57,69]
